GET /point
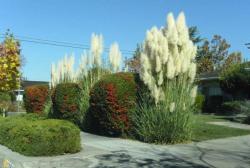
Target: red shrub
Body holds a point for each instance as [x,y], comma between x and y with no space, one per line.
[111,101]
[35,98]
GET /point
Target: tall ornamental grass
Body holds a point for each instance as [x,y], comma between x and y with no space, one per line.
[168,70]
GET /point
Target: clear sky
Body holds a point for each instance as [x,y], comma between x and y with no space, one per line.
[124,21]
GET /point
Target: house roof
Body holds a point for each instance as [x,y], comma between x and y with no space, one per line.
[208,76]
[27,83]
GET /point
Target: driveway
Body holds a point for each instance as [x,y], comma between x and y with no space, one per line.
[104,152]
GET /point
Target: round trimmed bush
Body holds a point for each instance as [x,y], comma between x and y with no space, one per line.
[37,136]
[66,102]
[112,99]
[35,98]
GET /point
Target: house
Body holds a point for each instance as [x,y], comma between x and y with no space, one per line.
[24,84]
[209,86]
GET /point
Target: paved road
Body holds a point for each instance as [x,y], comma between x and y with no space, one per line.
[103,152]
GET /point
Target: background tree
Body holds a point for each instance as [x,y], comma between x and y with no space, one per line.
[134,62]
[214,55]
[194,35]
[9,64]
[233,58]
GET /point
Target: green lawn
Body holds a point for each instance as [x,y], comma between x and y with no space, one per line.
[203,131]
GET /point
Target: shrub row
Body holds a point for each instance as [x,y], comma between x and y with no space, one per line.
[32,135]
[113,107]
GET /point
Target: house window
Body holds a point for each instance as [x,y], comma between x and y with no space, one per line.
[214,91]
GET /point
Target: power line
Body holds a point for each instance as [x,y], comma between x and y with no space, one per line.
[247,45]
[50,41]
[60,43]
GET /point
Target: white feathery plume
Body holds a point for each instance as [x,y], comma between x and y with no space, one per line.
[166,54]
[97,48]
[172,107]
[170,68]
[193,93]
[192,71]
[182,29]
[115,57]
[172,33]
[83,65]
[54,76]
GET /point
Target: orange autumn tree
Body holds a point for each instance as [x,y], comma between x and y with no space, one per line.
[10,63]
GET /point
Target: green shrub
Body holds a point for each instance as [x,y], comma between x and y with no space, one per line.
[65,99]
[5,101]
[5,96]
[247,120]
[112,99]
[34,135]
[35,98]
[199,102]
[235,107]
[236,80]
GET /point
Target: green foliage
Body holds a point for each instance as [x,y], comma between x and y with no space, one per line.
[65,98]
[4,96]
[236,80]
[236,107]
[247,120]
[5,101]
[33,135]
[35,98]
[112,99]
[199,102]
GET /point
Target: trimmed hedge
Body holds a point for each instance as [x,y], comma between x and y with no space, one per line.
[66,102]
[112,99]
[36,136]
[35,98]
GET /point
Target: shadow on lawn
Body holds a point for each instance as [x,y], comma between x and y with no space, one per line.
[124,160]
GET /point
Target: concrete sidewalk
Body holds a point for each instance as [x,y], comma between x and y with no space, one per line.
[107,152]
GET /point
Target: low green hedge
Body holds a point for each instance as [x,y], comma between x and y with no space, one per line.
[32,135]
